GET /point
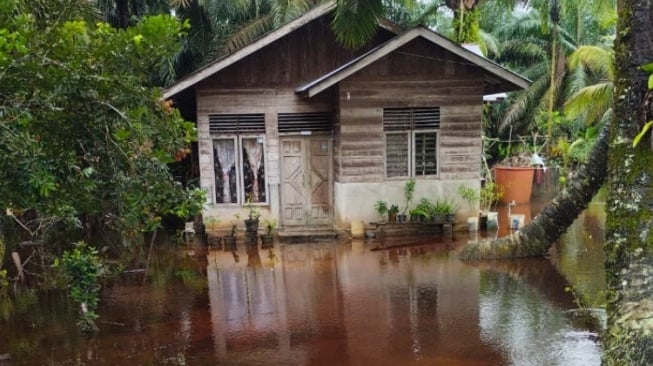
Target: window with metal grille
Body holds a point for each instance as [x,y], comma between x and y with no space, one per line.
[411,141]
[236,123]
[297,122]
[239,166]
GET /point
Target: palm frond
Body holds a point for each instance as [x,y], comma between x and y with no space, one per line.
[489,44]
[590,103]
[248,32]
[355,21]
[524,105]
[287,10]
[595,58]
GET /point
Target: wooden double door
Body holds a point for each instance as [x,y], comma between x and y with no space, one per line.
[306,181]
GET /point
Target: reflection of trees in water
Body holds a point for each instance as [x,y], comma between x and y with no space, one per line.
[526,324]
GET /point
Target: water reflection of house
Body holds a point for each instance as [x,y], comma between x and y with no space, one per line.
[332,304]
[304,127]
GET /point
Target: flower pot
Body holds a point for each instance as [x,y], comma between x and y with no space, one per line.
[472,223]
[482,222]
[516,183]
[450,217]
[437,217]
[251,225]
[492,220]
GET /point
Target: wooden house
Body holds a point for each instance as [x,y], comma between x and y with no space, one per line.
[313,134]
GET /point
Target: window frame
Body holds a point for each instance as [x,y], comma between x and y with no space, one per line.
[411,133]
[413,171]
[239,163]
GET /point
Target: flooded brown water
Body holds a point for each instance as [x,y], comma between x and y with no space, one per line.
[354,303]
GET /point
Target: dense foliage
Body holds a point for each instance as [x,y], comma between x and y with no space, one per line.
[85,139]
[83,268]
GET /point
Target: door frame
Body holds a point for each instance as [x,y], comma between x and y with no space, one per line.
[306,157]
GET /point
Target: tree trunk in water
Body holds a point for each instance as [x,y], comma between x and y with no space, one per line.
[535,239]
[628,339]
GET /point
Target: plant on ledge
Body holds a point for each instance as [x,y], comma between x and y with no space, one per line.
[253,214]
[409,192]
[381,208]
[490,194]
[267,239]
[470,195]
[392,213]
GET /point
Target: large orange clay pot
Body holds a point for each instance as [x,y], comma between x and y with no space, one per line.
[516,183]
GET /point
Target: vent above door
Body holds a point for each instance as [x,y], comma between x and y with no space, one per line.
[297,122]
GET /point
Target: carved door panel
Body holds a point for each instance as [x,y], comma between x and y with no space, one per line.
[306,183]
[320,181]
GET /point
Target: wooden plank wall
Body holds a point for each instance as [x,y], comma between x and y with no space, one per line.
[298,58]
[418,74]
[237,101]
[360,144]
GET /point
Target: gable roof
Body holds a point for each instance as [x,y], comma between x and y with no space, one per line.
[497,78]
[496,75]
[230,59]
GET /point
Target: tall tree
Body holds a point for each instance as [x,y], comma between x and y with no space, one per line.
[85,138]
[629,239]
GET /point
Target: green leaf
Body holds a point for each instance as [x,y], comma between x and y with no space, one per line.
[650,81]
[641,133]
[647,67]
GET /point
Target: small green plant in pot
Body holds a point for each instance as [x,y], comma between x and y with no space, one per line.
[381,208]
[470,195]
[392,213]
[409,192]
[253,215]
[423,212]
[448,208]
[267,239]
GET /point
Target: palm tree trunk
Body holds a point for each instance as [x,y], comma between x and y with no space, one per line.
[628,339]
[122,13]
[536,238]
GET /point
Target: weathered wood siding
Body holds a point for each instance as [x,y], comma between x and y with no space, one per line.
[300,57]
[416,75]
[240,101]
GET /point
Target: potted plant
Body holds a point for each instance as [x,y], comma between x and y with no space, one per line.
[472,196]
[490,194]
[381,208]
[514,174]
[392,213]
[439,210]
[267,239]
[449,209]
[409,191]
[253,215]
[423,211]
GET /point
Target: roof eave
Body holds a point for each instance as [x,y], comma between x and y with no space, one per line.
[221,63]
[509,80]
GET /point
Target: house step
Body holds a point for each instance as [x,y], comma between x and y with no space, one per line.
[292,235]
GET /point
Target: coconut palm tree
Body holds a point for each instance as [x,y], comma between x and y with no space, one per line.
[217,27]
[537,45]
[592,69]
